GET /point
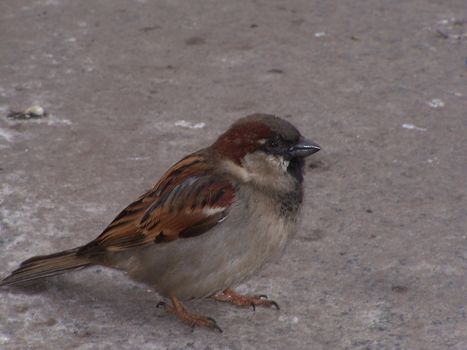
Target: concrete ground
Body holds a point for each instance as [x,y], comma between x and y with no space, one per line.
[380,261]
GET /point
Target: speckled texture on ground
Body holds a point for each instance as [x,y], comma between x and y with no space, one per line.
[380,261]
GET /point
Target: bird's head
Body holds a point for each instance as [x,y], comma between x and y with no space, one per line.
[265,149]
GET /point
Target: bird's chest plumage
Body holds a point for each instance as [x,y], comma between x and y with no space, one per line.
[256,229]
[267,224]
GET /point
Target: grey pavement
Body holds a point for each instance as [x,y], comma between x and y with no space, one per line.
[380,260]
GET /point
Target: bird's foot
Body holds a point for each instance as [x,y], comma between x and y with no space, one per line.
[191,320]
[230,296]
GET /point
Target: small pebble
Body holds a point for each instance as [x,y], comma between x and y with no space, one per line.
[35,112]
[32,112]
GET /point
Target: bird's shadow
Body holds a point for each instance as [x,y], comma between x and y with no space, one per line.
[110,291]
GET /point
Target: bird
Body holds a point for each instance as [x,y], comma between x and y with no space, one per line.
[211,222]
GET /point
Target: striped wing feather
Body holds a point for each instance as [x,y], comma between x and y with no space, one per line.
[187,201]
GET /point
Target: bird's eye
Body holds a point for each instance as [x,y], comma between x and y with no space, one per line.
[273,143]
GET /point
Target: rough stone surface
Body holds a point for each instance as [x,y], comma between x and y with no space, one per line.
[380,261]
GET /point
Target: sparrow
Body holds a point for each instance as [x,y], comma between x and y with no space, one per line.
[212,221]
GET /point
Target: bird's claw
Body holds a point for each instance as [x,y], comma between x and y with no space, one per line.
[192,320]
[214,324]
[233,297]
[253,306]
[276,305]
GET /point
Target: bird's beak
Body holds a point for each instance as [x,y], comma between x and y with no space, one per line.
[303,148]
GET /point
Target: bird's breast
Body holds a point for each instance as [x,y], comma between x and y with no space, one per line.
[253,233]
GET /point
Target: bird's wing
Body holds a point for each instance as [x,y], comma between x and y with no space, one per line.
[186,202]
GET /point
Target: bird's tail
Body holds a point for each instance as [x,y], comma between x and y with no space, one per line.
[47,265]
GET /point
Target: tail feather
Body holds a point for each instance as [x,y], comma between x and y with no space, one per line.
[47,265]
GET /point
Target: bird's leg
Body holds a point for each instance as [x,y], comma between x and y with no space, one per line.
[230,296]
[192,320]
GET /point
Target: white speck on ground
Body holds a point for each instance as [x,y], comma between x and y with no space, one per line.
[412,127]
[319,34]
[5,190]
[7,135]
[138,158]
[371,318]
[289,319]
[190,125]
[4,339]
[436,103]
